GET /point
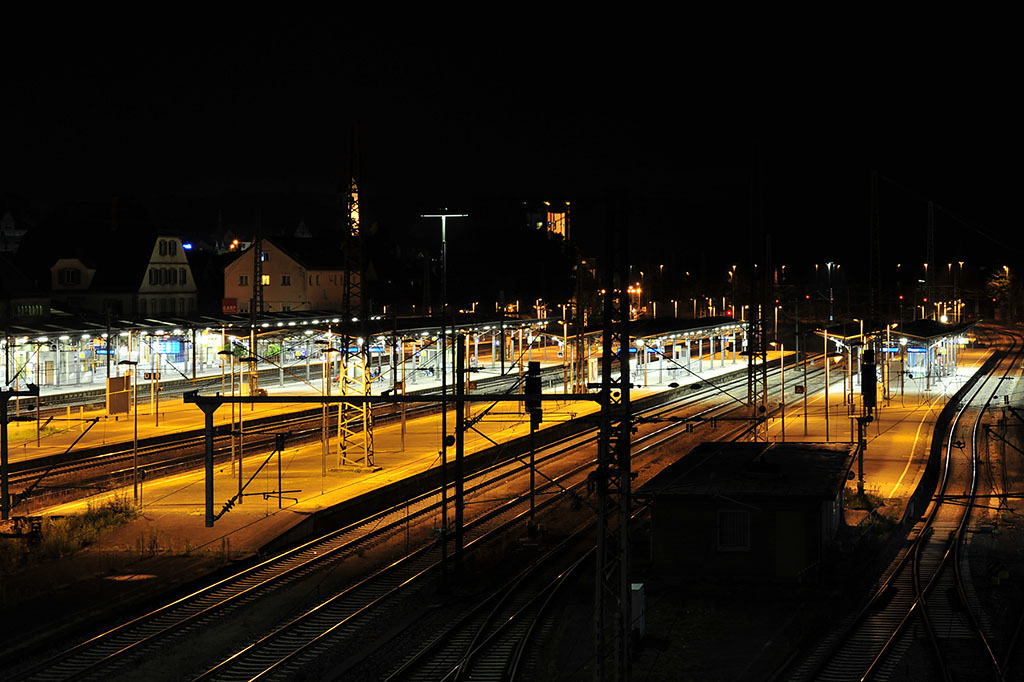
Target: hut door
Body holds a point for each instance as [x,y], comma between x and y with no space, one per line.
[790,544]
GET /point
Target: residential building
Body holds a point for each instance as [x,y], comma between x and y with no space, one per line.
[144,279]
[296,274]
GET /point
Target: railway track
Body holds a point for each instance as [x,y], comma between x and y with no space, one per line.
[92,471]
[926,594]
[212,607]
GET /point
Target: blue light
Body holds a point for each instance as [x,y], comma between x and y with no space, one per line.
[187,246]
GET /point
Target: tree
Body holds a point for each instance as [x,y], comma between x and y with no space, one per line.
[1000,286]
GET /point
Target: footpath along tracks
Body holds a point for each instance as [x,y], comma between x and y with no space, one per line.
[926,592]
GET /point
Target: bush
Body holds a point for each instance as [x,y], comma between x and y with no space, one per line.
[62,536]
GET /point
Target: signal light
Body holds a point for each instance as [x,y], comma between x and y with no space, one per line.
[901,297]
[533,387]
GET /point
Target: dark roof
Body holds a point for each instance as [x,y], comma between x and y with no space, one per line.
[930,329]
[661,326]
[13,282]
[816,470]
[310,252]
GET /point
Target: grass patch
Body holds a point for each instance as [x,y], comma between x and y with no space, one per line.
[62,536]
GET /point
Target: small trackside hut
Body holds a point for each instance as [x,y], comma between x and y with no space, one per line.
[748,511]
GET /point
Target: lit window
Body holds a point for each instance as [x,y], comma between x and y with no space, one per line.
[264,255]
[265,279]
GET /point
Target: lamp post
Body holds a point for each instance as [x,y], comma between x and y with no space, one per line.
[132,364]
[444,383]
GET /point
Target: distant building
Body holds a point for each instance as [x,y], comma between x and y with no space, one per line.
[20,299]
[297,274]
[156,280]
[550,217]
[11,233]
[748,511]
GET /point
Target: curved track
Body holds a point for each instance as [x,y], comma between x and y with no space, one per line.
[925,592]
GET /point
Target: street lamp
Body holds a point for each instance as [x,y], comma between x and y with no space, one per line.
[135,433]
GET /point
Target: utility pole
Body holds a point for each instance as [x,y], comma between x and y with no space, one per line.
[5,395]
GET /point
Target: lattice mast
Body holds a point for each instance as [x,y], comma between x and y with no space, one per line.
[759,269]
[579,322]
[612,477]
[929,268]
[875,257]
[256,305]
[355,422]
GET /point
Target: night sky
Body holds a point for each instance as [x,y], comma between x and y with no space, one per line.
[675,120]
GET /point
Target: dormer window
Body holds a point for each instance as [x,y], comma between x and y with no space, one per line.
[69,276]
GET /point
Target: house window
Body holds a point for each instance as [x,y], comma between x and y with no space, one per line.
[182,279]
[68,276]
[172,248]
[154,278]
[142,306]
[264,255]
[163,247]
[733,530]
[243,280]
[286,280]
[172,276]
[265,279]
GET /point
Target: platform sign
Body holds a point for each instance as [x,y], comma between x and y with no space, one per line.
[118,389]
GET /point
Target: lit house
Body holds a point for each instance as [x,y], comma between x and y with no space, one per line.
[296,274]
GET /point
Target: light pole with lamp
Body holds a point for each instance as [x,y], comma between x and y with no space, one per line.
[135,432]
[444,380]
